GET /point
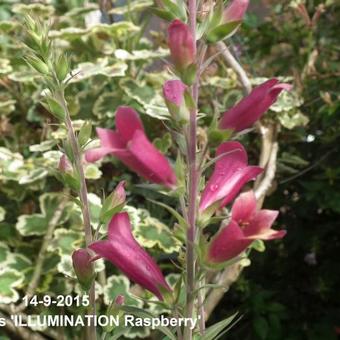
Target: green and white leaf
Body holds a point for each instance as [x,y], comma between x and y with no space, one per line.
[2,214]
[9,280]
[36,9]
[141,54]
[132,7]
[101,67]
[116,30]
[65,241]
[119,285]
[5,65]
[153,233]
[37,224]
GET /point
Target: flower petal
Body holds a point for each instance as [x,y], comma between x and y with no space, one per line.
[227,243]
[110,139]
[260,226]
[152,164]
[127,122]
[94,155]
[244,207]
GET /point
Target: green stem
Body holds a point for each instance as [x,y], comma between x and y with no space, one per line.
[91,332]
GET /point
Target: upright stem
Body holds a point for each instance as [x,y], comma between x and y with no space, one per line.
[84,201]
[193,177]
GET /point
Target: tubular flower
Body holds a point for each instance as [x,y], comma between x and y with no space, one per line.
[235,10]
[125,253]
[173,92]
[131,146]
[247,224]
[83,267]
[231,172]
[247,111]
[181,44]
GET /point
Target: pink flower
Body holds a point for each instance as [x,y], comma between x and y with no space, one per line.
[249,109]
[125,253]
[235,10]
[173,92]
[83,267]
[130,145]
[231,173]
[247,224]
[182,45]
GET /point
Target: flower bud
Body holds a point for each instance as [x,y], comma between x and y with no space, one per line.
[113,203]
[83,267]
[119,300]
[173,92]
[182,45]
[235,11]
[64,164]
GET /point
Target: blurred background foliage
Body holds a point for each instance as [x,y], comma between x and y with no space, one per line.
[290,291]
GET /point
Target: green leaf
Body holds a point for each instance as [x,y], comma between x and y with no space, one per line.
[5,66]
[292,119]
[36,224]
[2,214]
[116,30]
[85,133]
[9,280]
[144,55]
[33,176]
[132,7]
[213,331]
[36,9]
[43,146]
[171,210]
[261,327]
[119,285]
[55,108]
[65,241]
[177,9]
[92,171]
[259,246]
[7,26]
[222,31]
[163,14]
[101,67]
[151,232]
[164,143]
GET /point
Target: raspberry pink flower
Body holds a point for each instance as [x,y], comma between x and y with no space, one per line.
[247,224]
[235,10]
[130,145]
[181,44]
[247,111]
[125,253]
[231,173]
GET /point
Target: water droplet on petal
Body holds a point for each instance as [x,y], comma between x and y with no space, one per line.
[213,187]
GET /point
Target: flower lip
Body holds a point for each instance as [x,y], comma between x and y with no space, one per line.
[246,225]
